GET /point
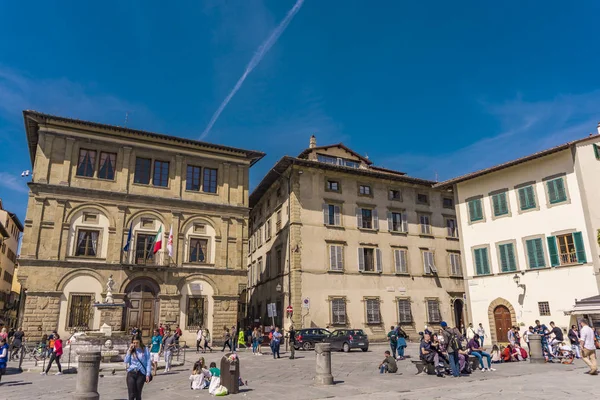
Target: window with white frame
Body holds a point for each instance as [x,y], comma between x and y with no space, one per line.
[372,309]
[455,266]
[336,257]
[369,259]
[268,230]
[429,262]
[397,221]
[367,218]
[451,227]
[400,261]
[332,215]
[425,222]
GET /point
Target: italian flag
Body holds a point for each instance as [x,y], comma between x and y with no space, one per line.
[158,240]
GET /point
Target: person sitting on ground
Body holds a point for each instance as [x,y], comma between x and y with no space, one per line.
[196,377]
[215,380]
[522,352]
[496,355]
[515,354]
[429,355]
[388,364]
[506,353]
[476,350]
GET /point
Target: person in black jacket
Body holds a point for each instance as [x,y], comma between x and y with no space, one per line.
[292,341]
[573,336]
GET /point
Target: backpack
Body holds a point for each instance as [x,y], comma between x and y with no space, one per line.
[454,343]
[271,335]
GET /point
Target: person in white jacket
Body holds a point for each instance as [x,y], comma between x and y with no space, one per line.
[199,336]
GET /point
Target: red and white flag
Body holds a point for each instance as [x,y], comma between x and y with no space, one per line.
[170,242]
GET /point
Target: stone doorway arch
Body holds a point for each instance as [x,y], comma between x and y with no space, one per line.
[500,312]
[141,300]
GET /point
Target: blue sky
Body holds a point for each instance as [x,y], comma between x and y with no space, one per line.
[423,87]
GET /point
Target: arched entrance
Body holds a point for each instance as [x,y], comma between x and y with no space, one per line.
[142,305]
[503,322]
[458,314]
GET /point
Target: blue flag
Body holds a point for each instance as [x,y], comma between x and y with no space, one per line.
[126,248]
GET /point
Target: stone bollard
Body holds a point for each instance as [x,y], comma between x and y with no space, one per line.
[323,376]
[536,355]
[87,376]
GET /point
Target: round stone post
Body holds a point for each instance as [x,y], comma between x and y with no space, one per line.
[323,372]
[87,376]
[536,355]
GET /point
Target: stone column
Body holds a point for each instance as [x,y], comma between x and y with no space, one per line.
[57,242]
[536,355]
[323,372]
[66,172]
[88,368]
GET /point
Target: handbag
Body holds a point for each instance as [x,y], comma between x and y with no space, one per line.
[136,357]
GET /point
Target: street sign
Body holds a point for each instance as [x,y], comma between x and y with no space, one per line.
[306,302]
[289,309]
[272,310]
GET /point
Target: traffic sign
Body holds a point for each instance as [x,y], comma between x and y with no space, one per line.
[306,302]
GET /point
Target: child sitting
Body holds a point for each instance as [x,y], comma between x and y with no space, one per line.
[196,377]
[215,380]
[496,355]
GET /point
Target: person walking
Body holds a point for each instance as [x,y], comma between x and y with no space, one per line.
[481,333]
[275,343]
[207,340]
[401,337]
[155,350]
[470,331]
[452,344]
[233,338]
[57,351]
[573,336]
[139,365]
[241,339]
[393,338]
[292,341]
[199,338]
[169,342]
[588,348]
[18,337]
[226,340]
[3,357]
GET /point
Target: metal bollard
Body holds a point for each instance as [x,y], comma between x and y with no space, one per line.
[87,376]
[536,353]
[323,371]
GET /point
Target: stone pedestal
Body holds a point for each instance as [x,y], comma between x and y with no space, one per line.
[323,371]
[88,368]
[536,355]
[111,315]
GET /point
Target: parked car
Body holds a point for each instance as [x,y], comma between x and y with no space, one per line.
[348,339]
[306,338]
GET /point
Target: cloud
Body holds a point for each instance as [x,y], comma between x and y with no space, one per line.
[527,127]
[13,182]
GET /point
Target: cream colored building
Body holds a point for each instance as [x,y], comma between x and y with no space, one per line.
[96,185]
[347,244]
[11,229]
[529,234]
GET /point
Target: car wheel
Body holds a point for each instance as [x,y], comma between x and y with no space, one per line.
[346,347]
[365,349]
[306,346]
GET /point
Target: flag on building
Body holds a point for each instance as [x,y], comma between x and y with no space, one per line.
[126,248]
[170,242]
[158,240]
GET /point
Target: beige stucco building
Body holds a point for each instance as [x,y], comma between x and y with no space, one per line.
[530,231]
[94,186]
[11,229]
[348,244]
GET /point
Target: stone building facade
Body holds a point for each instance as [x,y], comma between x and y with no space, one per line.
[100,198]
[347,244]
[11,229]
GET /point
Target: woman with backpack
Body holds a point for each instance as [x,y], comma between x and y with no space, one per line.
[401,337]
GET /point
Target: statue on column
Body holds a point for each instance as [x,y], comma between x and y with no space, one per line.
[110,285]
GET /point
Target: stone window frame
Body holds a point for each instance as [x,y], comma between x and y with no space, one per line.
[187,309]
[92,296]
[366,300]
[410,303]
[448,198]
[406,257]
[545,313]
[94,166]
[208,249]
[100,230]
[535,196]
[279,264]
[428,197]
[335,203]
[424,250]
[508,207]
[439,309]
[483,214]
[329,244]
[344,299]
[359,185]
[547,179]
[542,237]
[489,257]
[428,215]
[451,217]
[339,183]
[399,190]
[499,258]
[449,263]
[374,217]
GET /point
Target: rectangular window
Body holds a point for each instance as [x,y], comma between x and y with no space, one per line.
[142,171]
[333,186]
[535,253]
[422,198]
[268,230]
[544,308]
[80,311]
[400,261]
[144,249]
[567,249]
[365,218]
[259,236]
[397,222]
[107,166]
[475,210]
[394,194]
[448,202]
[373,316]
[198,250]
[364,190]
[210,180]
[500,204]
[336,258]
[452,228]
[8,277]
[404,312]
[278,221]
[597,151]
[369,259]
[86,163]
[455,267]
[433,312]
[268,266]
[196,312]
[429,262]
[192,181]
[425,223]
[526,198]
[556,191]
[87,243]
[482,265]
[507,257]
[161,173]
[338,311]
[279,261]
[332,215]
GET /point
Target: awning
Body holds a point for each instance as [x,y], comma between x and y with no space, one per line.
[591,305]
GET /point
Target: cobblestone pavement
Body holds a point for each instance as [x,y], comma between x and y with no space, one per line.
[355,373]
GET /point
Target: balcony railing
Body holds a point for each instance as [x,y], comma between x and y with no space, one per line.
[568,258]
[140,257]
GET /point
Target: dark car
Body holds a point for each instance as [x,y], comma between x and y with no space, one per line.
[348,339]
[306,338]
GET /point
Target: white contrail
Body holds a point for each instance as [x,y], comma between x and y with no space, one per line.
[254,61]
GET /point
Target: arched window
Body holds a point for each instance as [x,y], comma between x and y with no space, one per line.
[199,245]
[89,234]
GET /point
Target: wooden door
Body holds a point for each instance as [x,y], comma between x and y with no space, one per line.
[141,315]
[503,323]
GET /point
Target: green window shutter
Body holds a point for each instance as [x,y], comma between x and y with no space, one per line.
[499,203]
[539,253]
[496,204]
[475,212]
[478,264]
[472,210]
[479,211]
[579,248]
[522,199]
[597,151]
[503,257]
[561,193]
[530,197]
[552,192]
[484,262]
[553,250]
[503,203]
[510,252]
[531,256]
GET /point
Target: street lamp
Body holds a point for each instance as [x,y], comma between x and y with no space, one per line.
[278,288]
[517,279]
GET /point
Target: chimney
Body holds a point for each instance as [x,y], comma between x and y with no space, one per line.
[313,141]
[598,128]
